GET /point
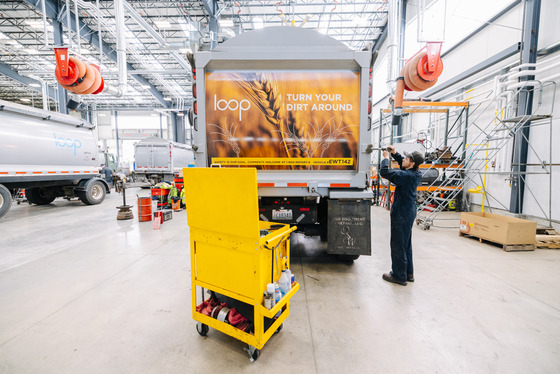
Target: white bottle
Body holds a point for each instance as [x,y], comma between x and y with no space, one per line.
[289,274]
[284,283]
[270,290]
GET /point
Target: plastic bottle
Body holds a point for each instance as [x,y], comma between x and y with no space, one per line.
[268,301]
[270,291]
[289,275]
[284,283]
[277,293]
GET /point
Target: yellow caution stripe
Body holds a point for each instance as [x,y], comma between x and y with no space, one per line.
[260,161]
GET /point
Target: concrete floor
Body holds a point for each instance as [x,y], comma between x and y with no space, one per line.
[81,292]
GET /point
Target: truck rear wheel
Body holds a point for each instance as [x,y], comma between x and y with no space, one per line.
[94,193]
[38,196]
[5,200]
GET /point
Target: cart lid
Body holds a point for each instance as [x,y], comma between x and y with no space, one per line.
[223,200]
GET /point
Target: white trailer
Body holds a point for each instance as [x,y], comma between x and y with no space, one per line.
[49,155]
[294,104]
[157,159]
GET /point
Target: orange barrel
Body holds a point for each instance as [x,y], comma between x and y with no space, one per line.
[144,209]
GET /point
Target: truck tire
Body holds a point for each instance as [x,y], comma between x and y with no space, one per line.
[94,193]
[38,196]
[5,200]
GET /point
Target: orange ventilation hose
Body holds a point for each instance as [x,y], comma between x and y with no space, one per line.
[88,79]
[415,76]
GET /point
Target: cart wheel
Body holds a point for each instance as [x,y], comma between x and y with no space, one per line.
[254,353]
[202,329]
[279,328]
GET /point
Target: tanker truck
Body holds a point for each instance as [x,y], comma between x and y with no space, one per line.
[292,103]
[49,155]
[157,159]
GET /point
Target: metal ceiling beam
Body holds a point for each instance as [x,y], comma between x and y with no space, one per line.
[9,72]
[53,12]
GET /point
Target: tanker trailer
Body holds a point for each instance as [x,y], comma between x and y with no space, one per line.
[292,103]
[157,159]
[49,155]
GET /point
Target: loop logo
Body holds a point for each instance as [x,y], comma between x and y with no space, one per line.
[71,144]
[241,106]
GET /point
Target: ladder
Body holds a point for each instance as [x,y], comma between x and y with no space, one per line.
[484,146]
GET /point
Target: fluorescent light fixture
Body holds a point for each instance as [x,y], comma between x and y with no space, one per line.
[167,99]
[31,51]
[146,86]
[36,24]
[24,99]
[186,26]
[34,84]
[258,23]
[361,21]
[101,114]
[226,22]
[162,24]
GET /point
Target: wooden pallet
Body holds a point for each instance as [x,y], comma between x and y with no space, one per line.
[546,231]
[505,247]
[548,241]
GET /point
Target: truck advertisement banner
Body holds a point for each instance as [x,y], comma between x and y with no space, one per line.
[305,120]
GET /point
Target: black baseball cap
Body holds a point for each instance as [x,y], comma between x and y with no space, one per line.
[415,156]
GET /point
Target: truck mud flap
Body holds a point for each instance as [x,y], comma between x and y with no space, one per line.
[349,227]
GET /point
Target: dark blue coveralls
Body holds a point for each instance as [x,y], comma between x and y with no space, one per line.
[403,214]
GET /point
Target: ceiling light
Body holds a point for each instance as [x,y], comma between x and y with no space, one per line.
[146,86]
[226,22]
[34,84]
[31,51]
[162,24]
[24,99]
[167,99]
[101,114]
[258,23]
[36,24]
[186,26]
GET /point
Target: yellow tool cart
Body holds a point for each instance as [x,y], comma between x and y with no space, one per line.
[235,255]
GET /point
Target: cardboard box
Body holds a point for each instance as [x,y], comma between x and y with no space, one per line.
[497,228]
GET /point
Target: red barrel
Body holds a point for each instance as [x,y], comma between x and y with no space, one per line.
[144,209]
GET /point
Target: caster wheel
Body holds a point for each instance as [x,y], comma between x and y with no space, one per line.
[279,328]
[202,329]
[254,353]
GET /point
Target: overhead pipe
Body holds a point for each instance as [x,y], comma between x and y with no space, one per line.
[121,46]
[392,44]
[150,30]
[45,35]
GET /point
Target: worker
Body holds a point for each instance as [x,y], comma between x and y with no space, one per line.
[403,211]
[108,175]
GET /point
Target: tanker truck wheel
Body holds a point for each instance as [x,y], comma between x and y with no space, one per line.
[5,200]
[94,193]
[38,196]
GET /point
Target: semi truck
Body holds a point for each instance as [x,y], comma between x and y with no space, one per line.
[157,159]
[49,155]
[294,104]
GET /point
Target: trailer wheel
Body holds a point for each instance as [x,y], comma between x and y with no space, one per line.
[38,196]
[349,258]
[94,193]
[5,200]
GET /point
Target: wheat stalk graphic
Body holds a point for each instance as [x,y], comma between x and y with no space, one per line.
[229,135]
[263,92]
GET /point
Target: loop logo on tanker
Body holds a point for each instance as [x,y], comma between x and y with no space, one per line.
[68,143]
